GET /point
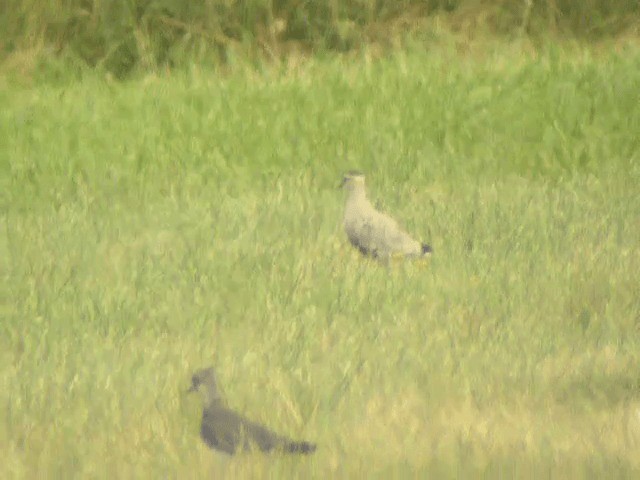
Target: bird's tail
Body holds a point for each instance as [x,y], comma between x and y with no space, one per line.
[300,447]
[426,249]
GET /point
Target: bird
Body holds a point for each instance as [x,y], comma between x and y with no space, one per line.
[372,232]
[227,431]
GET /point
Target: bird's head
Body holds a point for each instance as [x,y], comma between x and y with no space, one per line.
[352,179]
[204,381]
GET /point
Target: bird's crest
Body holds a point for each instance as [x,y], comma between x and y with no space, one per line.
[352,177]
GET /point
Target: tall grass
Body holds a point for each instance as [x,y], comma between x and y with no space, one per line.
[156,226]
[120,37]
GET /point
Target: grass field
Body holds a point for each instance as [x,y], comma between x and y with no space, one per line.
[170,222]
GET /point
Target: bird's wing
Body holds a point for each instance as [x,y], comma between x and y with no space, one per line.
[268,441]
[396,240]
[262,437]
[383,236]
[220,429]
[365,228]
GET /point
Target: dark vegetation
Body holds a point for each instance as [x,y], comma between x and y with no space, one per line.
[128,35]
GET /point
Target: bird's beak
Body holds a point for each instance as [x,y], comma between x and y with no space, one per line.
[344,180]
[192,389]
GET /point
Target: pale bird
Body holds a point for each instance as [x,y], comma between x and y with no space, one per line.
[371,231]
[227,431]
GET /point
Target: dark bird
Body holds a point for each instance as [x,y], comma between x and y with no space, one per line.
[228,431]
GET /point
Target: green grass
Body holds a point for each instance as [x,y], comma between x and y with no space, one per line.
[125,38]
[153,227]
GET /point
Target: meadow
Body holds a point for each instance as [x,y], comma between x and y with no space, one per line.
[189,218]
